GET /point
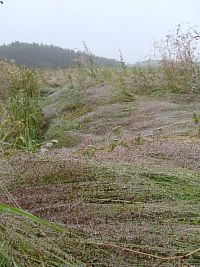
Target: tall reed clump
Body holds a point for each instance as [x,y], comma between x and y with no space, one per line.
[122,81]
[143,79]
[21,128]
[86,73]
[5,74]
[178,61]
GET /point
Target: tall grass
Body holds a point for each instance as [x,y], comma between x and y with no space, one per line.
[21,127]
[6,70]
[179,67]
[29,241]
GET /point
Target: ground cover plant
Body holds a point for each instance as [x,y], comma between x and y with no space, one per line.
[100,166]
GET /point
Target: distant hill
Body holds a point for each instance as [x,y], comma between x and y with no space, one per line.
[148,63]
[47,56]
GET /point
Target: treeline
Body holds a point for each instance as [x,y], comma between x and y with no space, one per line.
[47,56]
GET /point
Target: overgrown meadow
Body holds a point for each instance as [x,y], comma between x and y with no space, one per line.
[100,166]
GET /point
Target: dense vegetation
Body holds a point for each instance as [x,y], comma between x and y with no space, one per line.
[107,157]
[46,56]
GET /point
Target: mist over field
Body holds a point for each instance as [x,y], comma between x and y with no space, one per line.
[105,26]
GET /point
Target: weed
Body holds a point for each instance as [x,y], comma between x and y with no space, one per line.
[90,151]
[21,129]
[157,134]
[196,119]
[89,61]
[123,83]
[139,139]
[70,79]
[178,64]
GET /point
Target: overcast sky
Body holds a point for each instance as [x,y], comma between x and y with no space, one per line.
[105,25]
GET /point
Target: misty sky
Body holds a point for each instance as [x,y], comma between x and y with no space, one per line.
[105,25]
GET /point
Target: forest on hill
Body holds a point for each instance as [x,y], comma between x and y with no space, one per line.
[47,56]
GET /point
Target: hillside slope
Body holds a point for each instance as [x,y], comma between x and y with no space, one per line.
[124,176]
[47,56]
